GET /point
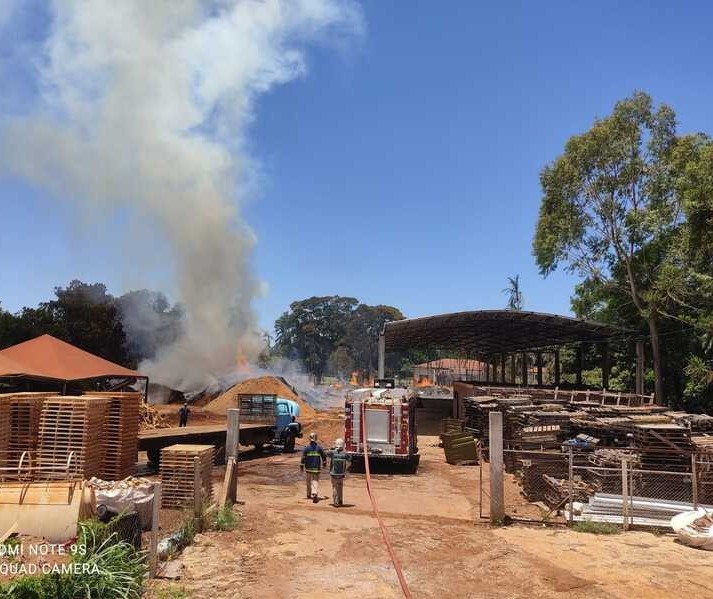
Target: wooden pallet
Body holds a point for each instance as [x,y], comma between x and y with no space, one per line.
[121,430]
[4,435]
[71,425]
[25,409]
[177,474]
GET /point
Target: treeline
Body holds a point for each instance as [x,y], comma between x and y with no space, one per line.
[628,206]
[125,329]
[334,335]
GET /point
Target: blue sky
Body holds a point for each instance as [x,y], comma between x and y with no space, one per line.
[404,169]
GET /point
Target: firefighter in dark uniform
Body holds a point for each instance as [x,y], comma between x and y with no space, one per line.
[313,459]
[339,460]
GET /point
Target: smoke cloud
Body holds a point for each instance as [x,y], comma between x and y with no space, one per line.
[144,108]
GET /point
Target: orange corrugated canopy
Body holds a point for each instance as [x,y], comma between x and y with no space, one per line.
[50,358]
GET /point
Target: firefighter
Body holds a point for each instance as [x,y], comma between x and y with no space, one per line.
[338,469]
[313,460]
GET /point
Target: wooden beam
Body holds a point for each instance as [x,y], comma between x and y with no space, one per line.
[539,368]
[578,365]
[558,374]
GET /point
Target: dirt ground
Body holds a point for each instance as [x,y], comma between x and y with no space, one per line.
[286,546]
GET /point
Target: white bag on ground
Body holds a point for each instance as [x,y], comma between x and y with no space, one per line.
[132,494]
[695,528]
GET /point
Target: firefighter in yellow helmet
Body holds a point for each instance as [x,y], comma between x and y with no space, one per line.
[313,460]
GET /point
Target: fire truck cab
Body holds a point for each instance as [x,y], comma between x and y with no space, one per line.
[389,416]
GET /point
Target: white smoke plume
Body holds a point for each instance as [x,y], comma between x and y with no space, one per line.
[145,107]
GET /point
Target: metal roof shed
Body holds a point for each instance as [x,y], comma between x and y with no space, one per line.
[493,332]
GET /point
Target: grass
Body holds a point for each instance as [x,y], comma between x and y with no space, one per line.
[171,592]
[596,528]
[225,519]
[108,569]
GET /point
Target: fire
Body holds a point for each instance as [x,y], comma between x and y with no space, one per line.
[424,381]
[241,362]
[354,379]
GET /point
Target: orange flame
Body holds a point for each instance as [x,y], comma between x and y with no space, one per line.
[354,379]
[423,381]
[241,362]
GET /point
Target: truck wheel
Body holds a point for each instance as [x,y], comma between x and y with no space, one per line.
[289,445]
[412,464]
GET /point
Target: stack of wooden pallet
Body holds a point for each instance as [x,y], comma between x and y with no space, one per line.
[703,445]
[532,466]
[121,431]
[71,426]
[663,446]
[178,464]
[4,433]
[25,410]
[451,425]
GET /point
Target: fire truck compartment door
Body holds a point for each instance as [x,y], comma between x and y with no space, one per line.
[377,426]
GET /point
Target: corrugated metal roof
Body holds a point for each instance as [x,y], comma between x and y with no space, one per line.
[495,331]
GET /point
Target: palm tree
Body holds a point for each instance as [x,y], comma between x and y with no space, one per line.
[515,299]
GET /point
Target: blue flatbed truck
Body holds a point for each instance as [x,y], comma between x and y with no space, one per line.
[264,419]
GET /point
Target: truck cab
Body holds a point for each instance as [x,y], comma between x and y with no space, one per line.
[277,413]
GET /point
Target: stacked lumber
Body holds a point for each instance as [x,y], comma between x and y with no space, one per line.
[663,446]
[4,433]
[532,467]
[460,448]
[121,431]
[178,463]
[71,426]
[477,410]
[25,410]
[451,425]
[556,491]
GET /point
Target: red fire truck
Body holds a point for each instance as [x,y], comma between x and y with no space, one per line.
[389,416]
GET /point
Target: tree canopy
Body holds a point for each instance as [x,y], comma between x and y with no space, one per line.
[333,334]
[125,330]
[628,207]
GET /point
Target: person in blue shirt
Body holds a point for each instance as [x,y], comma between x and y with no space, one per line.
[339,461]
[313,460]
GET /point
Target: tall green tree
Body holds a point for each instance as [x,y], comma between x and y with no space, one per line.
[610,199]
[362,335]
[311,330]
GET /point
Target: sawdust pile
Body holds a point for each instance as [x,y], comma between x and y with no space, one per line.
[265,385]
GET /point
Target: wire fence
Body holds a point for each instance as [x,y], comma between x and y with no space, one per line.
[571,484]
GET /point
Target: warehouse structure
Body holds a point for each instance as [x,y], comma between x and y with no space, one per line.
[497,336]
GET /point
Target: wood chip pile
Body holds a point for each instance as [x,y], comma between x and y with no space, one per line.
[178,463]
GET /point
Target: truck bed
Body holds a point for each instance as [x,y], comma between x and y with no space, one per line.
[152,441]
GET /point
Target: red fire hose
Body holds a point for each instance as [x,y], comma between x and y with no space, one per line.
[387,541]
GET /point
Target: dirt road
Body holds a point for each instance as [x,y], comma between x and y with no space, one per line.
[289,547]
